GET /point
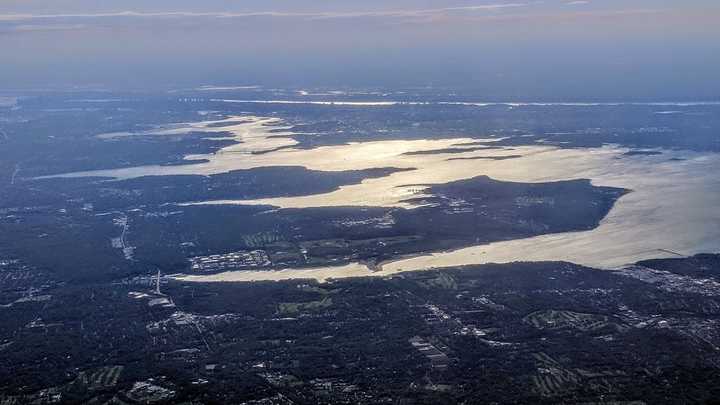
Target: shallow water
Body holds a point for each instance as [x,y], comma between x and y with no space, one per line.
[674,205]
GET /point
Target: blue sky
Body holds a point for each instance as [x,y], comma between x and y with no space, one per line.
[550,48]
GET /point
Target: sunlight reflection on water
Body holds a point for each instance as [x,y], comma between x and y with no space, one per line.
[673,206]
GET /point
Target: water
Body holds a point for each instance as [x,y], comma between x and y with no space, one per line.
[673,206]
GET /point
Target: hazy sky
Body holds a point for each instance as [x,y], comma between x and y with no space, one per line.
[509,49]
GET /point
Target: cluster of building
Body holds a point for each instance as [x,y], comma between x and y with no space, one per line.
[230,261]
[438,359]
[458,206]
[673,282]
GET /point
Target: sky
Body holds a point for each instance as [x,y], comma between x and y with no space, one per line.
[512,49]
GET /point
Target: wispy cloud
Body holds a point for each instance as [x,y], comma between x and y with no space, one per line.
[530,10]
[221,14]
[29,22]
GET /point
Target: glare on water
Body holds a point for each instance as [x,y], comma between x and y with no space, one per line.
[672,206]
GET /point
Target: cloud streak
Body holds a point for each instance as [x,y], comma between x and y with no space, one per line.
[285,14]
[496,12]
[19,23]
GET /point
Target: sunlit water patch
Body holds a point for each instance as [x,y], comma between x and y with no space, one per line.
[673,208]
